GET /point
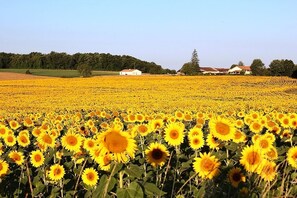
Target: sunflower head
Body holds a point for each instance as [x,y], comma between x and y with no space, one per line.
[90,177]
[56,172]
[206,166]
[174,133]
[118,143]
[221,128]
[16,157]
[268,170]
[4,167]
[196,142]
[71,141]
[157,154]
[37,158]
[252,158]
[292,156]
[235,176]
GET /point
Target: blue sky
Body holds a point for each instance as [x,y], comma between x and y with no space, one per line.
[162,31]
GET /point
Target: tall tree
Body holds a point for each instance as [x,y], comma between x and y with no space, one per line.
[240,63]
[257,67]
[195,60]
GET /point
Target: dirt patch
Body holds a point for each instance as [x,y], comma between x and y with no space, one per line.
[16,76]
[292,91]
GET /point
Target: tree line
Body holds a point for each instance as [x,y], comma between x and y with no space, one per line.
[97,61]
[283,67]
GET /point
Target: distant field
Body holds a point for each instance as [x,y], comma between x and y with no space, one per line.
[59,73]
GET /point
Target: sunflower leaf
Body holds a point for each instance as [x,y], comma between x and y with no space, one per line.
[134,171]
[134,190]
[151,189]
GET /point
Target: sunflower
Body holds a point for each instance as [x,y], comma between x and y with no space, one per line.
[56,172]
[256,127]
[16,157]
[156,124]
[222,129]
[23,140]
[263,143]
[4,167]
[206,166]
[28,122]
[1,148]
[235,176]
[239,137]
[251,158]
[36,158]
[140,118]
[212,142]
[36,131]
[14,125]
[196,142]
[195,132]
[104,161]
[239,123]
[156,154]
[272,153]
[89,144]
[179,115]
[188,117]
[71,141]
[285,122]
[174,133]
[143,129]
[90,177]
[292,156]
[3,131]
[268,170]
[46,140]
[118,143]
[10,140]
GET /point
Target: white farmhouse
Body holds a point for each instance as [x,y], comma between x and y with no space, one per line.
[133,72]
[246,70]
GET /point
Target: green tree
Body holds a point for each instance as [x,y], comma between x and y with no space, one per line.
[85,70]
[195,60]
[257,67]
[189,69]
[233,65]
[240,63]
[282,67]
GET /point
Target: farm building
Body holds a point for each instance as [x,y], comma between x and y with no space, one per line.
[208,70]
[133,72]
[246,70]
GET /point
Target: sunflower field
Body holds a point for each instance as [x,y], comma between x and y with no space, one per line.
[149,136]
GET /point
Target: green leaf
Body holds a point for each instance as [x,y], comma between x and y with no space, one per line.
[134,190]
[101,186]
[134,171]
[151,189]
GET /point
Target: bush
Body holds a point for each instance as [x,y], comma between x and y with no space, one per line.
[85,70]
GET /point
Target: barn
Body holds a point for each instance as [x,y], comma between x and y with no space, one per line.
[131,72]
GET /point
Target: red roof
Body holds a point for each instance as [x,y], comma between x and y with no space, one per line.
[207,69]
[222,69]
[246,68]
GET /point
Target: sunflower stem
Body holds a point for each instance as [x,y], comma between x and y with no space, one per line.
[29,178]
[166,171]
[121,174]
[143,154]
[189,180]
[61,187]
[108,180]
[81,170]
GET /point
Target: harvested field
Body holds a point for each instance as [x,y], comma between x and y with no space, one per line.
[16,76]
